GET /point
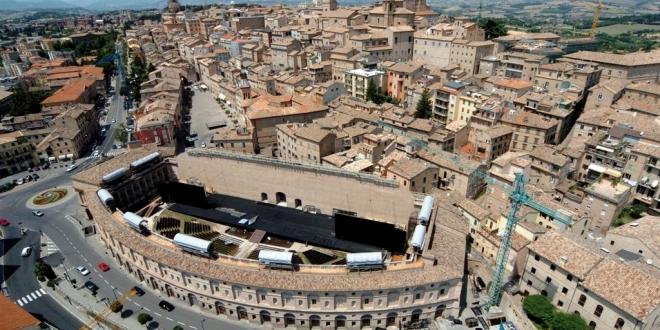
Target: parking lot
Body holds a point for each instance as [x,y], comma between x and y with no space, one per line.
[205,110]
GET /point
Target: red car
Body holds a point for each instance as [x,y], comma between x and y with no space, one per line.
[104,267]
[4,222]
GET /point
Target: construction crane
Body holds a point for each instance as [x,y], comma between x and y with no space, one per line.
[518,197]
[102,316]
[594,24]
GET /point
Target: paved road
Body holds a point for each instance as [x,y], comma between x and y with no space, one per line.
[79,250]
[116,110]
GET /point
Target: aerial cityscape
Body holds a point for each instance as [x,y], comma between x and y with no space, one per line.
[321,164]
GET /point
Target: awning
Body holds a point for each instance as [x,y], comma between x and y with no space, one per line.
[222,96]
[51,159]
[613,173]
[69,156]
[654,184]
[604,149]
[61,157]
[597,168]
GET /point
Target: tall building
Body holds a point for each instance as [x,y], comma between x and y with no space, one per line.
[328,5]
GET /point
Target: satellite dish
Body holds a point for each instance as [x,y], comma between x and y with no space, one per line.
[565,84]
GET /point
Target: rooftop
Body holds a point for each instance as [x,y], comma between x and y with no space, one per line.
[566,253]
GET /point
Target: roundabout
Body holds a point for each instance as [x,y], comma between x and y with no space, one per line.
[51,197]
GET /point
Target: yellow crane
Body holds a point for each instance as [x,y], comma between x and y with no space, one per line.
[101,316]
[594,24]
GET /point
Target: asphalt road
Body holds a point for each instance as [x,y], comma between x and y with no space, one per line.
[18,271]
[116,111]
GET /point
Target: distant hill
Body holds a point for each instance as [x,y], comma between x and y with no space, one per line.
[16,5]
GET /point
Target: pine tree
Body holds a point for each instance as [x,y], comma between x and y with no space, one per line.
[372,91]
[424,109]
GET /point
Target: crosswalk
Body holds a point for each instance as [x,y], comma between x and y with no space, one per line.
[28,298]
[51,247]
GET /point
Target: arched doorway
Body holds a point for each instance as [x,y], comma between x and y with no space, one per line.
[220,308]
[280,198]
[298,203]
[264,197]
[264,317]
[415,315]
[340,322]
[289,319]
[154,285]
[242,313]
[315,321]
[365,321]
[439,311]
[168,290]
[391,320]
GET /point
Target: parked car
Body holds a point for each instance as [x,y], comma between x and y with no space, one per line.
[35,176]
[103,267]
[38,213]
[166,306]
[138,291]
[82,270]
[19,182]
[91,286]
[71,168]
[26,251]
[4,222]
[46,166]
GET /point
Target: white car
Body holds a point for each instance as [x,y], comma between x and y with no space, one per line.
[19,182]
[203,145]
[96,153]
[82,270]
[114,121]
[71,168]
[26,251]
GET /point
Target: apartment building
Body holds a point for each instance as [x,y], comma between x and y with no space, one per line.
[304,143]
[74,92]
[17,153]
[548,167]
[248,22]
[637,66]
[512,65]
[343,59]
[467,54]
[340,17]
[644,167]
[286,54]
[73,131]
[579,277]
[560,107]
[357,81]
[267,111]
[562,76]
[401,76]
[238,140]
[390,13]
[529,129]
[488,144]
[434,45]
[445,99]
[456,172]
[413,174]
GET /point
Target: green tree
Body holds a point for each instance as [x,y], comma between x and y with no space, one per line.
[538,308]
[42,269]
[144,318]
[493,27]
[177,327]
[372,91]
[424,109]
[121,134]
[568,321]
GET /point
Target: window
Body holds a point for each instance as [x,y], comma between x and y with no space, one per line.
[619,323]
[564,290]
[598,311]
[548,280]
[533,270]
[560,303]
[537,258]
[592,325]
[552,267]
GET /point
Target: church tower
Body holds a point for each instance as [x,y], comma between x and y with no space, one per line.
[328,5]
[173,6]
